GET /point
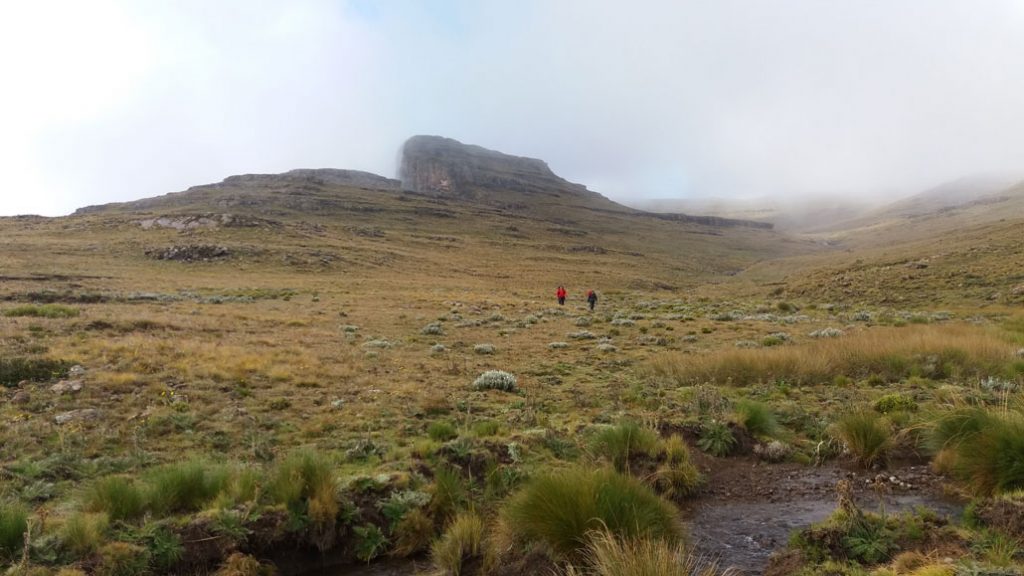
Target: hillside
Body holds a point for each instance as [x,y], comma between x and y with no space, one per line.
[461,213]
[927,249]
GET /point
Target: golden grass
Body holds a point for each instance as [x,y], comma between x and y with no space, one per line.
[959,351]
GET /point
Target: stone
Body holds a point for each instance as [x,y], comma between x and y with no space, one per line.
[76,371]
[21,397]
[66,386]
[82,414]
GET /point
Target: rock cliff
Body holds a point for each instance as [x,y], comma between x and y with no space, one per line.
[445,167]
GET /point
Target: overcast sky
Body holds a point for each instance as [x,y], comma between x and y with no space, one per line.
[112,100]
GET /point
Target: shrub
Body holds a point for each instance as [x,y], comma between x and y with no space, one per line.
[438,349]
[485,349]
[122,559]
[581,335]
[496,380]
[756,418]
[866,436]
[83,533]
[773,451]
[370,542]
[165,549]
[606,347]
[558,345]
[463,540]
[432,329]
[607,555]
[441,431]
[305,483]
[184,487]
[895,403]
[117,496]
[562,509]
[826,333]
[619,443]
[43,311]
[716,439]
[13,525]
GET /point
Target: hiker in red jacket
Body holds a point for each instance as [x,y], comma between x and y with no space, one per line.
[560,293]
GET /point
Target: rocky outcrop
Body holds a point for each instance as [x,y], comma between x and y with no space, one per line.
[445,167]
[329,176]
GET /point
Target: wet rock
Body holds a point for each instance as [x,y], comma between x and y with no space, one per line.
[83,414]
[66,386]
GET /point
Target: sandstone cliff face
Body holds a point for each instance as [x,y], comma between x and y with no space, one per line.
[445,167]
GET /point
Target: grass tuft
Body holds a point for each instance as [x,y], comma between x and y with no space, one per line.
[83,533]
[756,418]
[618,444]
[607,555]
[461,542]
[562,509]
[866,436]
[13,525]
[185,487]
[984,449]
[305,483]
[117,496]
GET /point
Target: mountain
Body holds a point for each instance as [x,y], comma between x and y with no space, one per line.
[458,213]
[792,215]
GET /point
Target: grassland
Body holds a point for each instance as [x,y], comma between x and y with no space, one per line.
[313,392]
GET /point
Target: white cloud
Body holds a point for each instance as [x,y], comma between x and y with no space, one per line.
[113,100]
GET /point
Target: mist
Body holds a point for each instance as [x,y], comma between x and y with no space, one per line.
[115,100]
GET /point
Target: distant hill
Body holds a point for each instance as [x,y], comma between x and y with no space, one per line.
[457,210]
[796,215]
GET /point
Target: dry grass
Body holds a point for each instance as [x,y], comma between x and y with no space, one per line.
[892,354]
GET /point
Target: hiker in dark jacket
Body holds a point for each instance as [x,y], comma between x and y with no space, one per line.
[592,298]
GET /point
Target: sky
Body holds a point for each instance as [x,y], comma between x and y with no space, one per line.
[113,100]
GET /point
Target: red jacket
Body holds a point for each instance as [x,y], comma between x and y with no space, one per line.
[560,293]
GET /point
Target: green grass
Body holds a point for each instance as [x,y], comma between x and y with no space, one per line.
[448,493]
[117,496]
[84,533]
[41,311]
[562,509]
[305,483]
[866,436]
[122,559]
[441,431]
[184,487]
[15,369]
[617,444]
[13,524]
[757,418]
[984,449]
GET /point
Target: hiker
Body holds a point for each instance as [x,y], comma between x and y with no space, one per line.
[591,298]
[560,293]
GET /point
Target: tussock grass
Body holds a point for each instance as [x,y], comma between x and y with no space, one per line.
[185,487]
[756,418]
[562,509]
[305,483]
[463,540]
[607,555]
[628,439]
[866,435]
[891,354]
[117,496]
[13,524]
[983,448]
[448,493]
[122,559]
[239,564]
[83,533]
[18,368]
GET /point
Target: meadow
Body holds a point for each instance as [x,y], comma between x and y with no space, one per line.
[253,414]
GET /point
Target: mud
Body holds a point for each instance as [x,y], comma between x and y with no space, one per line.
[751,508]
